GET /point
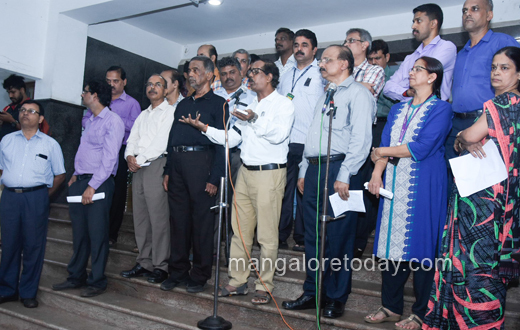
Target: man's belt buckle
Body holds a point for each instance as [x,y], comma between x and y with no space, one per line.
[184,149]
[18,191]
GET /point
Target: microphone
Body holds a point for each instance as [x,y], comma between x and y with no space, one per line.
[242,89]
[330,94]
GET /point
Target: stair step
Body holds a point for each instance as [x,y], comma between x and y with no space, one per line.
[15,316]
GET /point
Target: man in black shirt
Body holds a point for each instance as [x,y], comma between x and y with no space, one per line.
[192,173]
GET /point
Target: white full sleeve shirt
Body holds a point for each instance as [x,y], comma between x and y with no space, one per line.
[265,141]
[149,135]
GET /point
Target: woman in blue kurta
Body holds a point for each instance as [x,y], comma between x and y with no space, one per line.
[410,224]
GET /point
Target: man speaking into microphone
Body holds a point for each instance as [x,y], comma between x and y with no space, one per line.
[350,144]
[264,131]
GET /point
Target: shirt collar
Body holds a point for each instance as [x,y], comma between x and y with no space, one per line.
[485,38]
[163,106]
[433,42]
[268,98]
[38,134]
[102,114]
[122,96]
[347,82]
[205,96]
[362,65]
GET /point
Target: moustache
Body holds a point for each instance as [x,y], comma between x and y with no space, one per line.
[415,31]
[323,70]
[278,46]
[299,53]
[229,80]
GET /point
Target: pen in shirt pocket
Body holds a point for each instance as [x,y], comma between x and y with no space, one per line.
[41,155]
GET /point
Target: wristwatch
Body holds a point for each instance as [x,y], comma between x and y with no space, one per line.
[253,120]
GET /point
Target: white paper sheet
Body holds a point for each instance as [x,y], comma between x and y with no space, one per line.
[145,164]
[77,199]
[354,203]
[474,174]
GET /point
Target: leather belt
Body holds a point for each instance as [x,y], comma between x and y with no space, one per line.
[191,148]
[84,176]
[234,149]
[470,114]
[323,159]
[20,190]
[265,167]
[382,119]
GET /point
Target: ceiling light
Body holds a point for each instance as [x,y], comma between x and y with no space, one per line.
[215,2]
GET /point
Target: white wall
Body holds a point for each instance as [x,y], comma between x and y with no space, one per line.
[393,27]
[137,41]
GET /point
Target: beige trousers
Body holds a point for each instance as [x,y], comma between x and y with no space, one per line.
[259,197]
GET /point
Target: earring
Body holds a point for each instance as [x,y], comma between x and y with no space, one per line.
[429,82]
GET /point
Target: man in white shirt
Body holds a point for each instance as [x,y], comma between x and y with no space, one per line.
[283,42]
[145,155]
[304,85]
[264,133]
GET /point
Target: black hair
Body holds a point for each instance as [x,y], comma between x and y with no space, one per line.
[309,35]
[434,66]
[287,31]
[40,106]
[229,61]
[120,70]
[513,53]
[177,76]
[271,68]
[206,61]
[345,54]
[379,45]
[102,89]
[433,11]
[14,81]
[254,58]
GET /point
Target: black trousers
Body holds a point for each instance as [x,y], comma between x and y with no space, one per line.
[24,231]
[191,220]
[394,279]
[90,234]
[294,158]
[117,209]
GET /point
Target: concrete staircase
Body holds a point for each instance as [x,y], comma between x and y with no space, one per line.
[137,304]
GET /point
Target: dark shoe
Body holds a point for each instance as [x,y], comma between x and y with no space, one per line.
[158,276]
[283,245]
[358,253]
[333,309]
[66,285]
[137,271]
[30,303]
[303,302]
[91,291]
[173,282]
[300,247]
[4,299]
[194,287]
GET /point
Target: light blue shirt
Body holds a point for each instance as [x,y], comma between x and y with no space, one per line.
[30,163]
[307,86]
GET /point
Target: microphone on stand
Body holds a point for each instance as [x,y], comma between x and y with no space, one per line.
[330,94]
[242,89]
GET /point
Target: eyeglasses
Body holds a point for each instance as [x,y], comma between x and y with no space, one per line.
[151,84]
[85,92]
[418,68]
[351,41]
[326,60]
[254,71]
[31,111]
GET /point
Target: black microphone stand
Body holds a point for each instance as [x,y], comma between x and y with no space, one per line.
[324,218]
[215,322]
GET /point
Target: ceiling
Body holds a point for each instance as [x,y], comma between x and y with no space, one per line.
[185,23]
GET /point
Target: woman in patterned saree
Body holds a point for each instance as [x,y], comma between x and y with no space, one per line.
[482,230]
[410,224]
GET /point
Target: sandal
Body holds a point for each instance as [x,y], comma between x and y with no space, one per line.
[299,247]
[411,319]
[240,291]
[261,298]
[387,318]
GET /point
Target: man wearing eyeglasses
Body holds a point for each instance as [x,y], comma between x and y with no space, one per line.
[244,59]
[426,25]
[32,169]
[128,109]
[95,165]
[351,138]
[303,85]
[146,156]
[264,131]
